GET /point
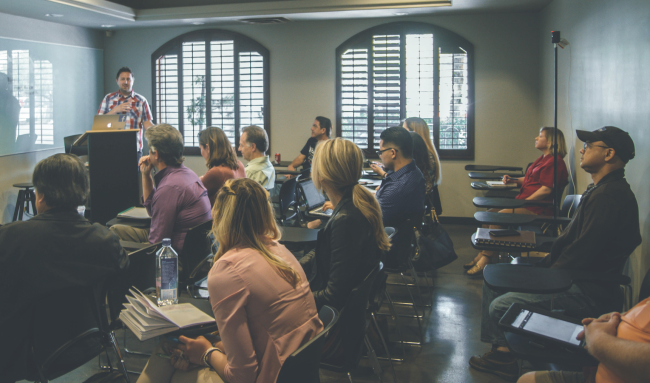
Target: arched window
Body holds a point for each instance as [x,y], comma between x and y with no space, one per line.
[407,69]
[211,77]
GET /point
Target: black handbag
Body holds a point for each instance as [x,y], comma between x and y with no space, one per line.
[435,248]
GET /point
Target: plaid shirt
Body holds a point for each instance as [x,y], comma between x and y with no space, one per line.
[136,117]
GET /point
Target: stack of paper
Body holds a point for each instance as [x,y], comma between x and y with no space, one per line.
[500,184]
[147,320]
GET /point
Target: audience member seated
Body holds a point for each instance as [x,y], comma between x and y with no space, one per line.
[178,202]
[536,185]
[259,294]
[599,239]
[320,131]
[621,343]
[56,249]
[419,126]
[253,143]
[423,161]
[221,160]
[350,244]
[402,191]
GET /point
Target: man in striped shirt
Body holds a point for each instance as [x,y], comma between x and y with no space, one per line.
[126,102]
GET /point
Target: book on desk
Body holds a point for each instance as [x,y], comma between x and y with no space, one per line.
[146,320]
[525,239]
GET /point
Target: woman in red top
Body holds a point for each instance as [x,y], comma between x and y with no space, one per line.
[537,185]
[221,160]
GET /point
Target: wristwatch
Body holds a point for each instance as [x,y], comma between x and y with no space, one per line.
[206,356]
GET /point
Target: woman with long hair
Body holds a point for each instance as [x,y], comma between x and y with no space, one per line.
[220,159]
[259,294]
[419,126]
[350,244]
[423,160]
[536,185]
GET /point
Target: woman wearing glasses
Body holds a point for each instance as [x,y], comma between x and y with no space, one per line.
[536,185]
[259,294]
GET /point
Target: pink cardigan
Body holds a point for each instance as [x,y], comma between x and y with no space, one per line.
[262,319]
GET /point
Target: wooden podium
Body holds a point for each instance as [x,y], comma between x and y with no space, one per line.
[113,172]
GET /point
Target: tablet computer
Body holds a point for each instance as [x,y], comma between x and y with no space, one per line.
[545,327]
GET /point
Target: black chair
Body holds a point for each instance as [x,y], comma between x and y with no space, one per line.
[344,345]
[286,200]
[303,365]
[58,347]
[197,253]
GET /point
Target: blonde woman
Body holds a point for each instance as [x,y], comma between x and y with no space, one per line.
[536,185]
[350,244]
[259,294]
[220,159]
[419,126]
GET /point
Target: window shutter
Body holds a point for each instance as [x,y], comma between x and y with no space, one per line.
[453,100]
[222,80]
[386,95]
[420,98]
[20,77]
[251,89]
[43,102]
[194,91]
[167,90]
[354,96]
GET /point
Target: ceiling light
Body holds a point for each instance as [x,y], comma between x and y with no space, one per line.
[53,15]
[198,23]
[400,14]
[107,26]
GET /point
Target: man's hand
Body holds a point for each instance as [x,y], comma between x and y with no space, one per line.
[145,165]
[328,206]
[606,325]
[377,169]
[124,107]
[194,349]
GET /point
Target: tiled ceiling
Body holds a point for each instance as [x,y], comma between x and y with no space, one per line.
[120,14]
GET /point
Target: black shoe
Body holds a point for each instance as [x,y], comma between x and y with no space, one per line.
[500,364]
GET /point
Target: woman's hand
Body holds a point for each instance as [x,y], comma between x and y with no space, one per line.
[194,349]
[328,206]
[377,169]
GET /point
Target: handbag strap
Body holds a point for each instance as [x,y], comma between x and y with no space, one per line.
[434,216]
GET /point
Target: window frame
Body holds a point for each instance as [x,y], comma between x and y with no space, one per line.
[443,38]
[241,43]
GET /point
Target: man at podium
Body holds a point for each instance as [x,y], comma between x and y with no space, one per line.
[126,102]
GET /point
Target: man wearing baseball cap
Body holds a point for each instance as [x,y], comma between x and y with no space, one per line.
[601,236]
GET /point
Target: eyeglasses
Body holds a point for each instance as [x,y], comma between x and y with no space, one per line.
[588,145]
[379,152]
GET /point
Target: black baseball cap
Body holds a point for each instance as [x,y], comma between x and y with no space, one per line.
[615,138]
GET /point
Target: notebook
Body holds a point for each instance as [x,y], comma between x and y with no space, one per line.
[314,199]
[134,213]
[526,240]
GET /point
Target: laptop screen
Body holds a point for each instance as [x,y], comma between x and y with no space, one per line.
[314,197]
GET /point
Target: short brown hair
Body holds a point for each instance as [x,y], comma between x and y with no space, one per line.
[219,147]
[167,141]
[256,135]
[62,179]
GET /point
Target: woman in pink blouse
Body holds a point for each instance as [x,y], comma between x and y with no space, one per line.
[221,160]
[260,297]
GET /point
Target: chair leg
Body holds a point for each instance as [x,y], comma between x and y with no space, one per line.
[120,359]
[393,312]
[381,336]
[372,356]
[350,377]
[20,205]
[126,350]
[415,310]
[32,198]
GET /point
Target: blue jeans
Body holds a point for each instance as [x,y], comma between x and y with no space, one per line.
[495,305]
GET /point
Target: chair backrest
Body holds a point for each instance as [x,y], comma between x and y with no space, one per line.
[390,232]
[142,267]
[197,247]
[287,196]
[401,243]
[344,345]
[570,205]
[302,366]
[645,287]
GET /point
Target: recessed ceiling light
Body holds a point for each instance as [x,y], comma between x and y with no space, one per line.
[107,26]
[198,23]
[53,15]
[400,14]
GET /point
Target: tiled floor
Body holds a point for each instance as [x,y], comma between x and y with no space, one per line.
[451,332]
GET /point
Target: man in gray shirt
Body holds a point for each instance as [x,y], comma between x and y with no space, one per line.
[253,144]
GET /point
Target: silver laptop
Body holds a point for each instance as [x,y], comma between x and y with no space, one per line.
[109,122]
[314,199]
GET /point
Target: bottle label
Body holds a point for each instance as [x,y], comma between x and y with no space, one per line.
[168,274]
[168,294]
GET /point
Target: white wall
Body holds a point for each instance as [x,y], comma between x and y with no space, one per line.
[604,79]
[18,167]
[303,77]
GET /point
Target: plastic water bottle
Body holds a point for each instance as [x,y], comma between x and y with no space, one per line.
[167,274]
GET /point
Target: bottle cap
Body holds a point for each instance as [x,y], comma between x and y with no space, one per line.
[166,242]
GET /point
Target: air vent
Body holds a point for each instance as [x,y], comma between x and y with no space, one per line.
[266,20]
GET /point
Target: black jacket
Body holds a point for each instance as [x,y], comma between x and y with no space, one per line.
[55,250]
[599,239]
[346,251]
